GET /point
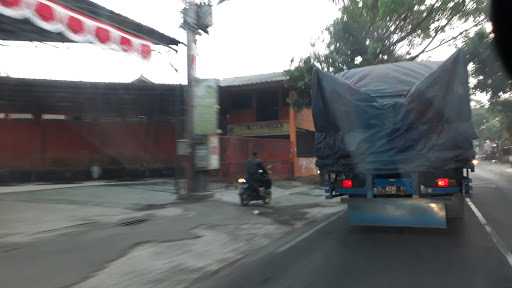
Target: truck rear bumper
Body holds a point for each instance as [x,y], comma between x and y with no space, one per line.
[397,212]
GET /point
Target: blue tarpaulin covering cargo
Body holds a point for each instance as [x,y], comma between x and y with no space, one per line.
[407,116]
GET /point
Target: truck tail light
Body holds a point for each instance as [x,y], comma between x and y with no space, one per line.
[347,184]
[443,182]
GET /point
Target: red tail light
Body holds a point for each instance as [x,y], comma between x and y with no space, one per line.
[443,182]
[347,184]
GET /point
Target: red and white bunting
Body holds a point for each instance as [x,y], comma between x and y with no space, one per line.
[75,26]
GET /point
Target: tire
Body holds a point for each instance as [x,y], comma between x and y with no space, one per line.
[268,198]
[244,199]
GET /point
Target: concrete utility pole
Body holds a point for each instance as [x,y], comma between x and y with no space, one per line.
[197,17]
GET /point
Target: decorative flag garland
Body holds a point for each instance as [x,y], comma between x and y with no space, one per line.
[74,25]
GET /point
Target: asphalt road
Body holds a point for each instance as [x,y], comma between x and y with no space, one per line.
[136,235]
[338,255]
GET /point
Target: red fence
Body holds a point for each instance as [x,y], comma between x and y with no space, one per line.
[236,150]
[36,145]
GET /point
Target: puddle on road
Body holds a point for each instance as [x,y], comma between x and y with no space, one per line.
[286,215]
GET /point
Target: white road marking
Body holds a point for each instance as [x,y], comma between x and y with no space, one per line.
[497,240]
[307,234]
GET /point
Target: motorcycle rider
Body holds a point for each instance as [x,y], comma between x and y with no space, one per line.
[256,173]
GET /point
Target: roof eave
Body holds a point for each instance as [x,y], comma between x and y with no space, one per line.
[23,30]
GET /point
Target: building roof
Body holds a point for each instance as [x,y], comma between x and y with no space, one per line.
[21,82]
[142,80]
[24,30]
[259,79]
[19,95]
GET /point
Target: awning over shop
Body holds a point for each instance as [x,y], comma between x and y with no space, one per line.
[78,21]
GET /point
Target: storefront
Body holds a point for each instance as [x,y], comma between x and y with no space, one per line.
[256,107]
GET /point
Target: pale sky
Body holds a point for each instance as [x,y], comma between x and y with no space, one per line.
[248,37]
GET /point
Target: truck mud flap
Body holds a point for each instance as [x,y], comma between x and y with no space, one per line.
[422,213]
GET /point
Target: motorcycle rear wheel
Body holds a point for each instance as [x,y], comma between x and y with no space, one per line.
[244,199]
[268,198]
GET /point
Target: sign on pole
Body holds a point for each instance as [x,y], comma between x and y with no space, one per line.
[207,156]
[214,151]
[206,105]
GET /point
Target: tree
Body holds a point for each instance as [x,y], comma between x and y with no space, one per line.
[487,124]
[487,69]
[494,121]
[503,111]
[299,81]
[369,32]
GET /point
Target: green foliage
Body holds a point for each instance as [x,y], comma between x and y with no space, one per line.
[494,122]
[299,81]
[487,124]
[502,109]
[372,32]
[369,32]
[491,78]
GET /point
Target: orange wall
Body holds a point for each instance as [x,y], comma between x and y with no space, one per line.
[305,167]
[284,113]
[305,119]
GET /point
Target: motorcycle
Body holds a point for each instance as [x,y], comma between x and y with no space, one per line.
[256,192]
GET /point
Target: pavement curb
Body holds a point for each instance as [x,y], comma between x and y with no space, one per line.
[42,187]
[192,197]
